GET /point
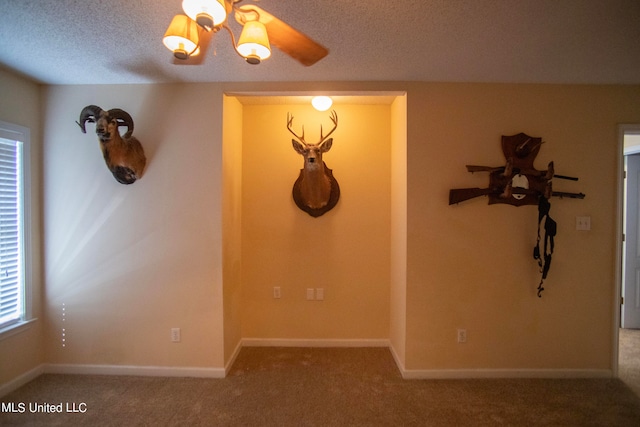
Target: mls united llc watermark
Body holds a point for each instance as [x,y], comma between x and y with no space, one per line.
[43,408]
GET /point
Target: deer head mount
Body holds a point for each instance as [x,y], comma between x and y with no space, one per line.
[315,191]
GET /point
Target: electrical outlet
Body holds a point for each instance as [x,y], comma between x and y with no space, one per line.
[175,334]
[311,294]
[462,335]
[583,223]
[276,292]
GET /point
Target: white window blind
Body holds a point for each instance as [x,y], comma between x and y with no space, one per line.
[13,286]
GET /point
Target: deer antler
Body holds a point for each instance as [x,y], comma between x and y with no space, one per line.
[334,119]
[289,123]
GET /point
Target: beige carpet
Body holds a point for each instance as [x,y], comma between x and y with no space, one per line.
[629,358]
[324,387]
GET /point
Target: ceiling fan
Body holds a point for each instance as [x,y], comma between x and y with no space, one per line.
[189,35]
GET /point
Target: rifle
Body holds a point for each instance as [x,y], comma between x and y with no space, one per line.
[461,194]
[475,168]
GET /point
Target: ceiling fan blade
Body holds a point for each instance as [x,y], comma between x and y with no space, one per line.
[204,38]
[286,38]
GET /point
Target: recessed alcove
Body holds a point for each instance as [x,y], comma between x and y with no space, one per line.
[356,252]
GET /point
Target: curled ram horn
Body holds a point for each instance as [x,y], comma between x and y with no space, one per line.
[88,114]
[124,119]
[123,155]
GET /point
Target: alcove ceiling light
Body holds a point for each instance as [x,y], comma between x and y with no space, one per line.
[184,32]
[321,103]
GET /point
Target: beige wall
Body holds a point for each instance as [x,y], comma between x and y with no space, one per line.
[130,262]
[398,278]
[20,104]
[470,266]
[232,225]
[345,251]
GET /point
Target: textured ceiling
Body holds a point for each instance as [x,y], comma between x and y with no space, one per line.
[532,41]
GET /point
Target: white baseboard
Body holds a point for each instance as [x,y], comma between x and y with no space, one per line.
[163,371]
[232,359]
[285,342]
[434,374]
[149,371]
[397,359]
[21,380]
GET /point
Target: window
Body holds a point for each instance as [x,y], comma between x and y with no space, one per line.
[15,271]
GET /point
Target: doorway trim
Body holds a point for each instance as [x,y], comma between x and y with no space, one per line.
[623,129]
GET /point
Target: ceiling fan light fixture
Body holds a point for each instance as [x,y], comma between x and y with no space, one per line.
[253,44]
[207,13]
[321,103]
[181,37]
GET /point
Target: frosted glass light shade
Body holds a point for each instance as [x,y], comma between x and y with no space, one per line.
[321,103]
[254,42]
[207,13]
[181,37]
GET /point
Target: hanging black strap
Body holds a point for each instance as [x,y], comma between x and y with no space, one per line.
[550,229]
